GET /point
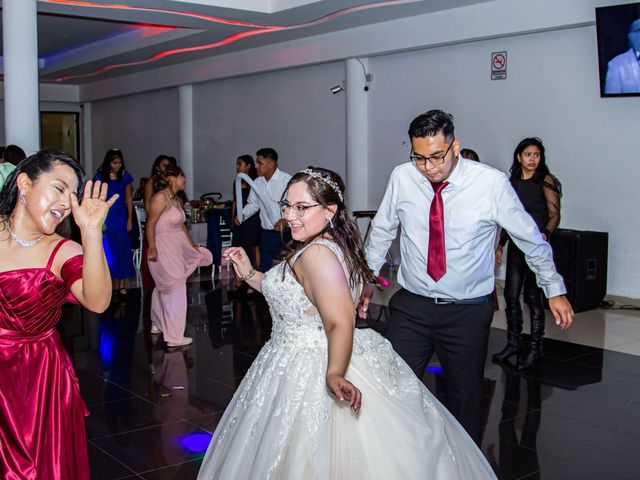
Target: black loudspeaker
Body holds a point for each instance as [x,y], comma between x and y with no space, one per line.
[581,259]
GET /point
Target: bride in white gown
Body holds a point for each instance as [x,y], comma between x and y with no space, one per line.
[298,414]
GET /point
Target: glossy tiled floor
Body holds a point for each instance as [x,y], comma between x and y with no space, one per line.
[577,416]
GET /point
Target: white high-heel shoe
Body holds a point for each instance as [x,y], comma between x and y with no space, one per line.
[185,341]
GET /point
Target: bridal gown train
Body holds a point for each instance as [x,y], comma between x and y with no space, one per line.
[282,423]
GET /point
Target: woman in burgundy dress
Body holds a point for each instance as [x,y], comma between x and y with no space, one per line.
[42,433]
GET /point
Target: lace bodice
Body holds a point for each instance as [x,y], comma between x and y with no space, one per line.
[288,305]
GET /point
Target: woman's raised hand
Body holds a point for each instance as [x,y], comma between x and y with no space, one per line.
[241,263]
[91,213]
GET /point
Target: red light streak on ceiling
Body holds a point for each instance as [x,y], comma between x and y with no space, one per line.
[262,29]
[199,16]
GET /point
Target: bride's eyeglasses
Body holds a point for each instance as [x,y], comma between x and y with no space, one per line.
[298,209]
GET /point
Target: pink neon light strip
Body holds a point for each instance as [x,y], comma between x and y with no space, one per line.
[261,29]
[199,16]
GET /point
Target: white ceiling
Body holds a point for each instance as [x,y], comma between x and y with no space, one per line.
[84,42]
[264,6]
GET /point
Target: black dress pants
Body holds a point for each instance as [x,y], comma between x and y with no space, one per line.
[458,333]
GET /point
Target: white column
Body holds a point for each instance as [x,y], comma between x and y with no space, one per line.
[20,51]
[357,144]
[185,107]
[86,154]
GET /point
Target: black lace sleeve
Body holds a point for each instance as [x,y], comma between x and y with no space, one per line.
[553,192]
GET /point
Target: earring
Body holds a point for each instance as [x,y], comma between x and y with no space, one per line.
[22,199]
[331,222]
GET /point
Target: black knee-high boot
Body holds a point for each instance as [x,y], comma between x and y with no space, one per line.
[514,344]
[534,354]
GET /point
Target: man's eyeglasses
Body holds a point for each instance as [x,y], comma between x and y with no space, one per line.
[298,210]
[435,160]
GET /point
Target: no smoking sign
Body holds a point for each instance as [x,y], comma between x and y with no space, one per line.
[498,65]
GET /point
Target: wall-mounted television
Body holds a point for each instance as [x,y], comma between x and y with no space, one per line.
[618,30]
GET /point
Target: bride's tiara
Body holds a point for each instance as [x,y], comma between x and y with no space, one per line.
[324,179]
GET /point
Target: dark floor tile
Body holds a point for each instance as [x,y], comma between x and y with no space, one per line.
[178,406]
[627,389]
[209,397]
[182,471]
[84,374]
[558,349]
[105,364]
[511,461]
[207,422]
[119,417]
[152,448]
[571,376]
[552,394]
[105,467]
[614,460]
[98,390]
[551,435]
[224,365]
[139,382]
[608,360]
[622,416]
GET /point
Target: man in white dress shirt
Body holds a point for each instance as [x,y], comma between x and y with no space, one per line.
[623,72]
[270,185]
[451,316]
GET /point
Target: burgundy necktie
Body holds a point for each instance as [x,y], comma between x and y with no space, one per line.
[436,260]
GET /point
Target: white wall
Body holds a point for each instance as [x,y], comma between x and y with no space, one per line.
[142,126]
[291,111]
[552,92]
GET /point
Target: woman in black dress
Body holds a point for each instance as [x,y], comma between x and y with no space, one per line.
[247,233]
[540,193]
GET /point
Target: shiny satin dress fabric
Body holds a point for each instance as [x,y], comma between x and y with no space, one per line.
[42,432]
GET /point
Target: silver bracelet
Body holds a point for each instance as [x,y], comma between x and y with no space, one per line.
[246,277]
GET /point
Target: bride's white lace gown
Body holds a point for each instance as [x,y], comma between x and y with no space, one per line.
[282,423]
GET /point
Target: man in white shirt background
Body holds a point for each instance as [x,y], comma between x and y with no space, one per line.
[623,72]
[449,209]
[264,197]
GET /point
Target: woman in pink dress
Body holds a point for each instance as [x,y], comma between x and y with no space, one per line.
[42,433]
[173,256]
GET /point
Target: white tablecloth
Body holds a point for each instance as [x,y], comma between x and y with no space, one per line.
[198,233]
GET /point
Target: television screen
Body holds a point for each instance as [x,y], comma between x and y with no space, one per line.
[618,30]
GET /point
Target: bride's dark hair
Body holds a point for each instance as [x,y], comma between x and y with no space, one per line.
[343,232]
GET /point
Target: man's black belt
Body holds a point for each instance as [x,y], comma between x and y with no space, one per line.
[453,301]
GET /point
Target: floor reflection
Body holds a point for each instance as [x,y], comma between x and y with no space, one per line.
[153,409]
[517,453]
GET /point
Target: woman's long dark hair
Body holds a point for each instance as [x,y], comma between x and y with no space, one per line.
[161,180]
[13,154]
[542,174]
[516,168]
[248,159]
[34,166]
[344,231]
[155,168]
[105,168]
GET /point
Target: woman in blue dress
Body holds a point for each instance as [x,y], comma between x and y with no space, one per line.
[117,245]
